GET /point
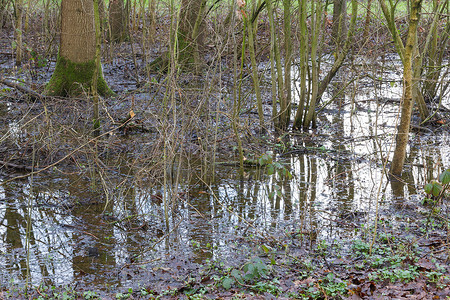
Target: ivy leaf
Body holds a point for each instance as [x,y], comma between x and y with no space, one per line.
[428,188]
[227,282]
[261,161]
[434,188]
[237,275]
[445,177]
[437,188]
[270,169]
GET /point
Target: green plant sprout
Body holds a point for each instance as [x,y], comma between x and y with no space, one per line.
[436,189]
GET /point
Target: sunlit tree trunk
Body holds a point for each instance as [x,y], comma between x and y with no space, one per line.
[76,65]
[407,99]
[389,14]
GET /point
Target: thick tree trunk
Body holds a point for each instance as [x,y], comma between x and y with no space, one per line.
[3,12]
[191,32]
[339,29]
[117,21]
[152,19]
[189,40]
[407,103]
[76,65]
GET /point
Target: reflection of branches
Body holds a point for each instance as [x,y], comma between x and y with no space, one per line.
[250,224]
[31,239]
[163,237]
[67,155]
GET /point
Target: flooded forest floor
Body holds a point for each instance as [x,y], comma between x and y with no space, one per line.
[155,207]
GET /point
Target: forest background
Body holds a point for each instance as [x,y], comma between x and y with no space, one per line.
[149,101]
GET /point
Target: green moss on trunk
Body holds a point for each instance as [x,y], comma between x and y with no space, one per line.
[185,51]
[70,79]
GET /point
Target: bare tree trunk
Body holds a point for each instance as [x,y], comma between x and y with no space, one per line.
[407,101]
[339,29]
[191,33]
[76,65]
[3,12]
[285,104]
[255,76]
[318,88]
[189,38]
[117,21]
[303,69]
[152,20]
[368,18]
[316,12]
[18,31]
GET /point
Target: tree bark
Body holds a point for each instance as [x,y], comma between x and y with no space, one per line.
[339,28]
[116,21]
[3,12]
[76,65]
[191,33]
[407,104]
[18,31]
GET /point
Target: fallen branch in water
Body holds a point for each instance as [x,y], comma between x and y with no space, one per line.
[24,89]
[18,167]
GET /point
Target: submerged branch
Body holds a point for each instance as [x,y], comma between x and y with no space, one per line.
[21,88]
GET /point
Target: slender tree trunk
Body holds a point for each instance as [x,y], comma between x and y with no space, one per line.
[255,76]
[318,88]
[76,64]
[316,21]
[273,63]
[94,85]
[27,15]
[407,103]
[298,121]
[285,107]
[434,52]
[18,31]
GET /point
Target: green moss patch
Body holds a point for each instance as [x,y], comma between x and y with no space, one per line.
[71,79]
